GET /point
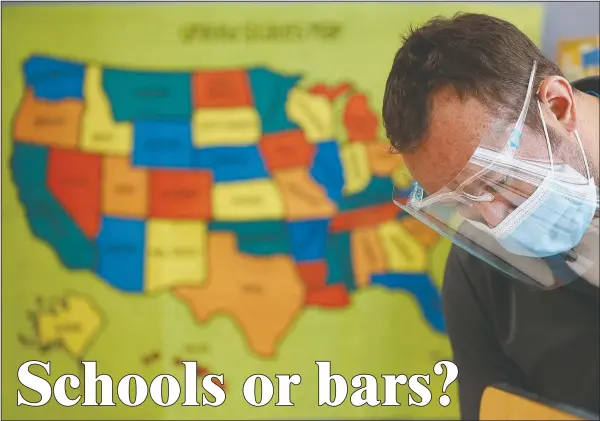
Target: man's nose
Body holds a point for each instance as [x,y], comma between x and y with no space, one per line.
[492,213]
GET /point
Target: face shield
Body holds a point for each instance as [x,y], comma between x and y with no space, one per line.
[519,204]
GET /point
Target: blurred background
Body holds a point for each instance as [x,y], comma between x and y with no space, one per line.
[211,183]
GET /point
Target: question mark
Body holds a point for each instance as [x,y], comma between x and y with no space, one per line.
[451,375]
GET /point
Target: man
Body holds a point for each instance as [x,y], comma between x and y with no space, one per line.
[454,87]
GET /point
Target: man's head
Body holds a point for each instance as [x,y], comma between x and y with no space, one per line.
[453,78]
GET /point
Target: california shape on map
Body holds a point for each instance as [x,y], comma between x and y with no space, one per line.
[237,190]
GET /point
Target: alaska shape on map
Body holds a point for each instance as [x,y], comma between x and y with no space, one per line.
[71,322]
[264,295]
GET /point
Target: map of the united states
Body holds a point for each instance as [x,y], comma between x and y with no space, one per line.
[237,190]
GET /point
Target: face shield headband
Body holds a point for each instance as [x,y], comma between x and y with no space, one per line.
[550,206]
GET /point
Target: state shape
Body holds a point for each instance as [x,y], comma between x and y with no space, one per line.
[355,162]
[51,123]
[247,201]
[71,322]
[368,256]
[99,131]
[225,126]
[403,252]
[54,79]
[302,196]
[340,132]
[125,188]
[381,161]
[360,121]
[402,178]
[264,295]
[313,113]
[421,232]
[175,253]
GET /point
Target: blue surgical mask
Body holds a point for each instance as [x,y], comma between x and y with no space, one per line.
[555,217]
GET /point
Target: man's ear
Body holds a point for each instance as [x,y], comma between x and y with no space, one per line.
[557,94]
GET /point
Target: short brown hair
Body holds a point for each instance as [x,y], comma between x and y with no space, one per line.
[477,55]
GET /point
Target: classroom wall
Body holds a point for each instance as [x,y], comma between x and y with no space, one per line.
[568,20]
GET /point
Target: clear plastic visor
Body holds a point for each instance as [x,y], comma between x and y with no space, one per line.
[521,211]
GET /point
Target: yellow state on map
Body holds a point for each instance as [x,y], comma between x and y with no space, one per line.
[247,201]
[99,132]
[357,172]
[313,113]
[403,252]
[226,126]
[176,253]
[402,177]
[71,322]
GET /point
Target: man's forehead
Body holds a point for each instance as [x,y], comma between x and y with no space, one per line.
[455,130]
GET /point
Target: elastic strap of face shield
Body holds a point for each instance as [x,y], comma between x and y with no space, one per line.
[515,136]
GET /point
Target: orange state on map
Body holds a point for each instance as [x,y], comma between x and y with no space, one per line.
[361,123]
[303,198]
[424,235]
[125,188]
[263,294]
[52,123]
[368,255]
[381,161]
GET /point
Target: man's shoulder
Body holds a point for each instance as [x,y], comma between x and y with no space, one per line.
[467,277]
[589,85]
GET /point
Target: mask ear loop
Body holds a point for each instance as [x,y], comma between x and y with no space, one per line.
[585,161]
[548,138]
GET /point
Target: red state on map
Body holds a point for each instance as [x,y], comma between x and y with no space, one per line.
[74,179]
[227,88]
[361,123]
[287,149]
[180,194]
[318,293]
[331,296]
[364,217]
[330,92]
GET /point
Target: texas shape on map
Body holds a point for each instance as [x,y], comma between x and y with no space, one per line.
[237,190]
